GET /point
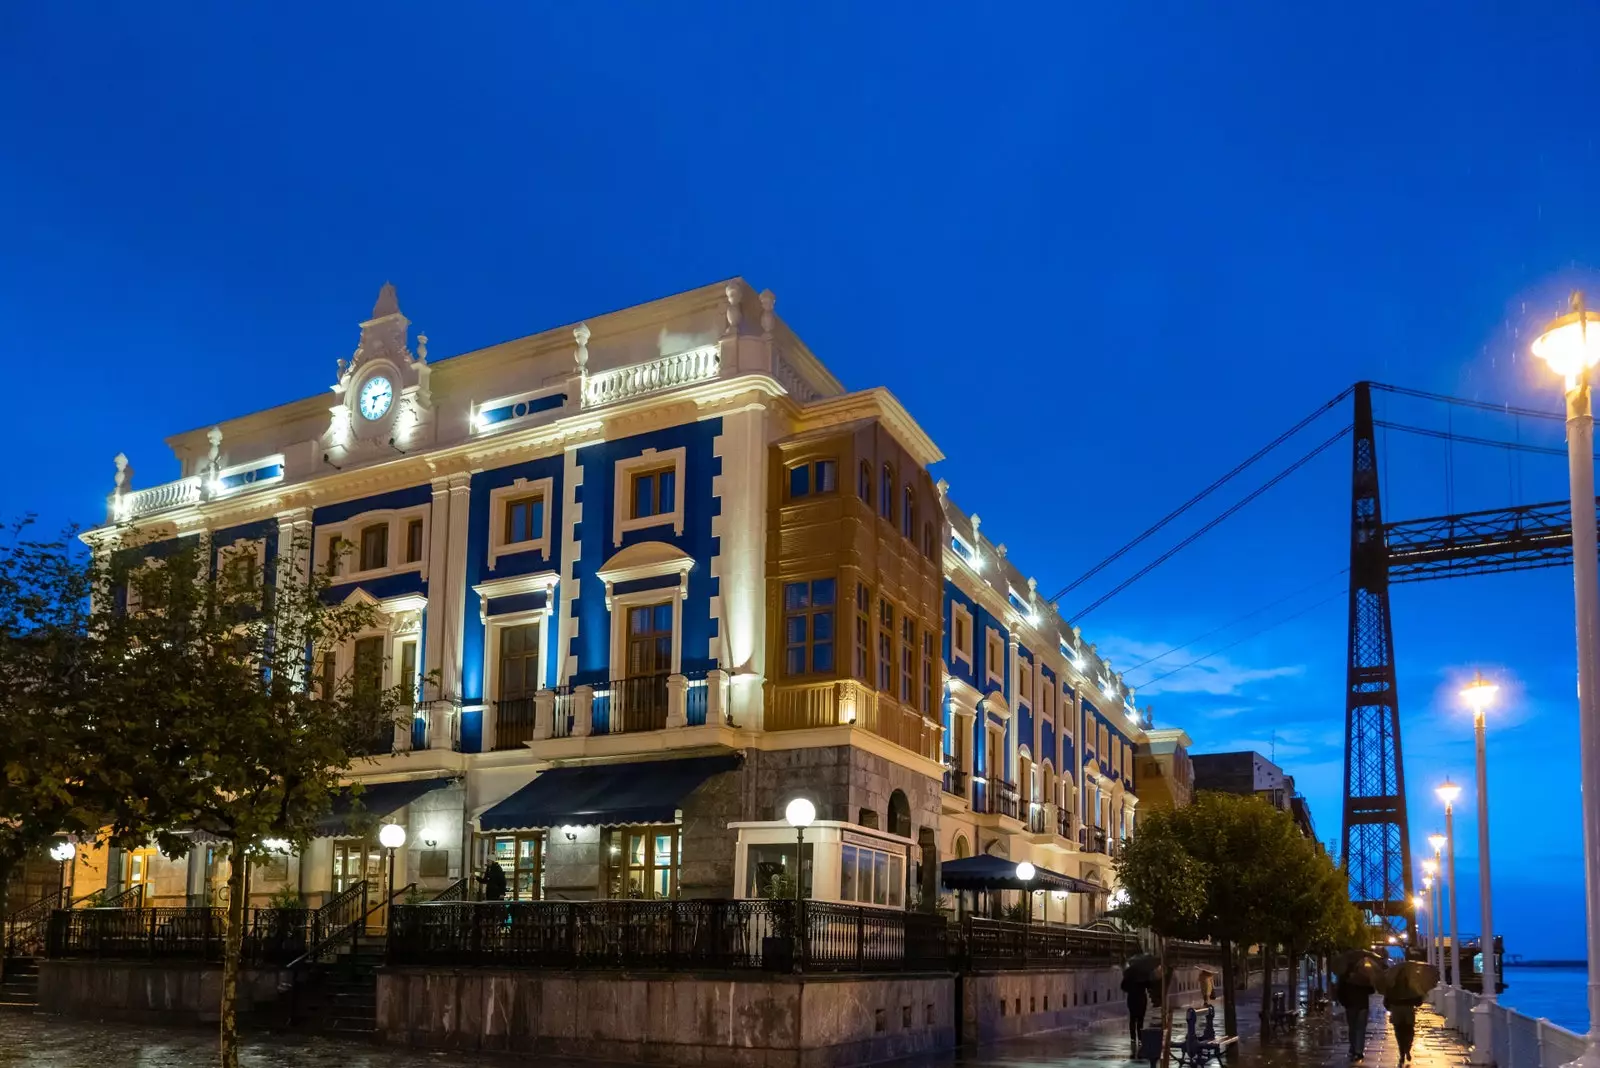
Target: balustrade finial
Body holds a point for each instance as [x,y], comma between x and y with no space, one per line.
[124,473]
[769,300]
[943,487]
[733,311]
[580,334]
[422,348]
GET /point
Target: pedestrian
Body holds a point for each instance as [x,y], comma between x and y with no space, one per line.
[494,881]
[1138,990]
[1208,985]
[1356,997]
[1403,1017]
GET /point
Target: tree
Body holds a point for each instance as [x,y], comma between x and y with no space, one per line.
[43,607]
[200,688]
[1166,889]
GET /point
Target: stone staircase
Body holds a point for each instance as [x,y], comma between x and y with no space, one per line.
[340,995]
[19,990]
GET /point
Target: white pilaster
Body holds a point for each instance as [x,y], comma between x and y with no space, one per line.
[453,598]
[740,563]
[571,516]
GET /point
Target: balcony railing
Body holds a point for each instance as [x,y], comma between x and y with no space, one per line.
[955,782]
[668,372]
[1097,841]
[1064,824]
[513,723]
[847,702]
[1036,818]
[674,935]
[625,706]
[1007,800]
[991,944]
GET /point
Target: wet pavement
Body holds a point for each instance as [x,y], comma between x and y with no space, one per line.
[1317,1041]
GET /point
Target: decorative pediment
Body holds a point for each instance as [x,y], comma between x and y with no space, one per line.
[646,560]
[383,397]
[514,586]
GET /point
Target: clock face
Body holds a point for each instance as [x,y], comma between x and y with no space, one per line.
[375,397]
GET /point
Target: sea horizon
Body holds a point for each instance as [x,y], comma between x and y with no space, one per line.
[1556,991]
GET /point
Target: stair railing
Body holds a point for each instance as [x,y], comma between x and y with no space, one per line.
[131,898]
[335,922]
[456,891]
[25,927]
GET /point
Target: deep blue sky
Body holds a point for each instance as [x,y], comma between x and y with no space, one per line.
[1101,251]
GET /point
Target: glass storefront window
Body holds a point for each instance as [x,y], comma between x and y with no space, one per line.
[641,862]
[520,856]
[872,876]
[763,863]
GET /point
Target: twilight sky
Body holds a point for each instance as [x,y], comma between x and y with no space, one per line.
[1102,252]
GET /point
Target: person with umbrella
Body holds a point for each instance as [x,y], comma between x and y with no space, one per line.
[1357,976]
[1140,979]
[1404,988]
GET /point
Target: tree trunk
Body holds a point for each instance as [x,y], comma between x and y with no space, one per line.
[1166,1007]
[1267,957]
[5,912]
[1230,1009]
[232,947]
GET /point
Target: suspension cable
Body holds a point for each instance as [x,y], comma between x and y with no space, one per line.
[1228,512]
[1462,402]
[1239,641]
[1202,495]
[1495,443]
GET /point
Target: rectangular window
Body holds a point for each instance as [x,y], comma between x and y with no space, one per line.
[908,652]
[650,640]
[766,863]
[871,876]
[886,493]
[334,547]
[413,541]
[655,492]
[408,673]
[808,627]
[524,519]
[885,646]
[995,654]
[641,862]
[863,665]
[927,672]
[520,856]
[330,675]
[961,635]
[375,547]
[368,674]
[819,476]
[519,661]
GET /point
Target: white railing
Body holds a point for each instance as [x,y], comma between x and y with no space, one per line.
[1519,1041]
[669,372]
[156,498]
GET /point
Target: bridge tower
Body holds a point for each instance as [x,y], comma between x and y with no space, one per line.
[1376,841]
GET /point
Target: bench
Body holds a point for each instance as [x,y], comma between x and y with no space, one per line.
[1200,1045]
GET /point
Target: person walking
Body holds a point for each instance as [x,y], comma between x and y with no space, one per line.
[1356,997]
[494,881]
[1138,990]
[1403,1017]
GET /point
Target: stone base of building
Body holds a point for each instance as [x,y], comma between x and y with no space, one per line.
[739,1020]
[182,993]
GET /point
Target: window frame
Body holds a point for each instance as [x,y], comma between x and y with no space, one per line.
[501,498]
[994,667]
[813,471]
[886,642]
[381,544]
[616,873]
[810,612]
[415,525]
[959,614]
[346,535]
[861,642]
[886,484]
[647,462]
[908,513]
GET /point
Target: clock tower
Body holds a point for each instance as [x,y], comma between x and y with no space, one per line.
[383,402]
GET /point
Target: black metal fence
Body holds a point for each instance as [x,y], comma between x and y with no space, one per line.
[711,934]
[1002,945]
[271,936]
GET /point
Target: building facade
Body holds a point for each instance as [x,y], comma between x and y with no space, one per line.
[667,575]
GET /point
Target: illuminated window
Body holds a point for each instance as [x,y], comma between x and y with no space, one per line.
[808,635]
[819,476]
[413,541]
[521,857]
[863,661]
[641,862]
[524,519]
[654,492]
[871,876]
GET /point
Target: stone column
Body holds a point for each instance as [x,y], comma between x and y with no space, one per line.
[716,696]
[677,701]
[544,714]
[434,618]
[583,711]
[452,600]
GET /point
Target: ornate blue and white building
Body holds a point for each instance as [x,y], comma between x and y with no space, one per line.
[668,575]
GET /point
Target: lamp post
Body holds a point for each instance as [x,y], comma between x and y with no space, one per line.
[1448,792]
[391,836]
[1433,919]
[799,813]
[62,852]
[1571,350]
[1419,908]
[1437,841]
[1025,874]
[1478,695]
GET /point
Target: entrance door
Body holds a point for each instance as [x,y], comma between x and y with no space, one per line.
[644,691]
[136,871]
[355,860]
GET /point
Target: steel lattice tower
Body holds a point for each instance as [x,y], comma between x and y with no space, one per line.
[1376,841]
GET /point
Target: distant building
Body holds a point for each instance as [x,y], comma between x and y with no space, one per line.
[1251,773]
[1164,770]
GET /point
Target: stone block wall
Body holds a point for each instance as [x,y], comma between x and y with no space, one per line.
[178,993]
[1001,1005]
[708,845]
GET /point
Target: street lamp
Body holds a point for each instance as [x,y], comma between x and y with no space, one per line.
[1437,840]
[799,813]
[1478,695]
[391,836]
[1570,348]
[1433,911]
[62,852]
[1419,907]
[1448,792]
[1025,873]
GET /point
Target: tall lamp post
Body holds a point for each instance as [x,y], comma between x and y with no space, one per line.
[391,836]
[799,813]
[1448,792]
[1433,917]
[62,852]
[1025,874]
[1478,695]
[1570,349]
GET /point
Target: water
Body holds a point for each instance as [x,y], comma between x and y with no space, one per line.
[1557,994]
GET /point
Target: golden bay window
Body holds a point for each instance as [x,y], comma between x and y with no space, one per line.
[885,646]
[808,627]
[654,492]
[908,651]
[863,661]
[641,862]
[524,519]
[817,476]
[375,547]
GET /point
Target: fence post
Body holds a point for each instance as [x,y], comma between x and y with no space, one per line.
[1538,1043]
[861,936]
[150,948]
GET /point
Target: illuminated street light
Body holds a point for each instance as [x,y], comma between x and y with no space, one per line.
[1448,793]
[1478,695]
[1571,347]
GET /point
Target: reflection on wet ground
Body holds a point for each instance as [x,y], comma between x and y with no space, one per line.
[1318,1041]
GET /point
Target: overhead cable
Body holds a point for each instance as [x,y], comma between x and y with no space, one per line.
[1240,641]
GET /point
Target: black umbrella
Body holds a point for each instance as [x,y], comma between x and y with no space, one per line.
[1409,981]
[1359,966]
[1142,967]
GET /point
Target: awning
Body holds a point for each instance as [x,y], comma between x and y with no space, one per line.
[986,872]
[648,791]
[377,799]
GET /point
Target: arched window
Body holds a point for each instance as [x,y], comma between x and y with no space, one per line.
[908,513]
[962,849]
[899,814]
[864,482]
[886,494]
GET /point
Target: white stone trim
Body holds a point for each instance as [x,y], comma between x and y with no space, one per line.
[349,530]
[513,586]
[493,624]
[544,488]
[992,672]
[957,609]
[622,498]
[571,516]
[619,606]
